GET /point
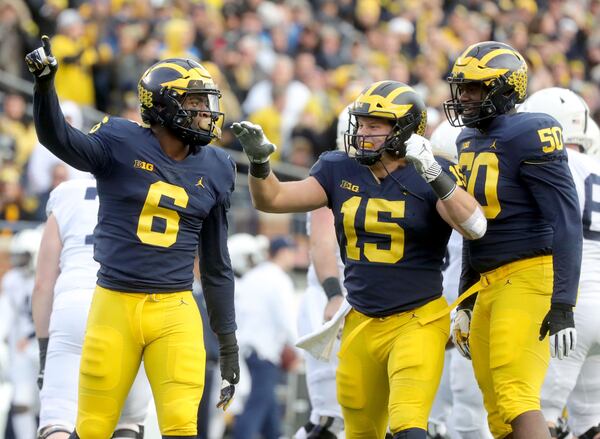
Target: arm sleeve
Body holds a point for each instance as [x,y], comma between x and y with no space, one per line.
[468,275]
[216,273]
[551,184]
[82,151]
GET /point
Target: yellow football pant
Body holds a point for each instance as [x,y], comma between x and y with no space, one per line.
[392,366]
[164,329]
[508,359]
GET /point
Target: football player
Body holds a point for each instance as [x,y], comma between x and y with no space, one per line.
[394,207]
[575,381]
[164,192]
[15,318]
[62,294]
[526,267]
[458,406]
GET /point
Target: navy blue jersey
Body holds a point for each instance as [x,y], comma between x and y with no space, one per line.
[155,212]
[391,237]
[517,170]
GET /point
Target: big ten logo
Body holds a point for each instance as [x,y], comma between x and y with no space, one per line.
[351,187]
[143,165]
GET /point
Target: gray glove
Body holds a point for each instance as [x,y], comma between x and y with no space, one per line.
[41,63]
[256,145]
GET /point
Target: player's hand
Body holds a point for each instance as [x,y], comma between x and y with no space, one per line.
[256,145]
[560,323]
[230,368]
[332,307]
[461,327]
[41,63]
[43,345]
[419,153]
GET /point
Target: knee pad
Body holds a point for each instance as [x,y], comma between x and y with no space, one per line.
[51,429]
[411,433]
[591,432]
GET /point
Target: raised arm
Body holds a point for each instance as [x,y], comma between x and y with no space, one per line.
[79,150]
[268,193]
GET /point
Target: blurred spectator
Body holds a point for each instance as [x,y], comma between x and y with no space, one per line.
[266,330]
[296,98]
[14,204]
[74,81]
[15,123]
[17,31]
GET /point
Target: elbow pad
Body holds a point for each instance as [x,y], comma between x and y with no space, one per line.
[475,226]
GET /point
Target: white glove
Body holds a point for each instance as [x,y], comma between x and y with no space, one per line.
[461,324]
[419,153]
[256,145]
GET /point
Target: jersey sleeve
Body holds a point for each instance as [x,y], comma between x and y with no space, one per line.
[322,171]
[537,138]
[552,186]
[215,265]
[82,151]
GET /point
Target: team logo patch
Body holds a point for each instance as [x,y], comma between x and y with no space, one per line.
[351,187]
[139,164]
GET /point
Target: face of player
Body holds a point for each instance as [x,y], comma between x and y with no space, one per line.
[371,132]
[199,105]
[470,95]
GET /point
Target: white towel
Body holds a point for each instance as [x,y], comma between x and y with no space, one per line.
[320,343]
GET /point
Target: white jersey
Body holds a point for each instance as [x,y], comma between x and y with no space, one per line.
[586,174]
[17,287]
[311,276]
[452,266]
[74,204]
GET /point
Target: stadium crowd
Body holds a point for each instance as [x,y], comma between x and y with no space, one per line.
[290,66]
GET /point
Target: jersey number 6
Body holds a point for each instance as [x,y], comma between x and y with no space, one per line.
[152,211]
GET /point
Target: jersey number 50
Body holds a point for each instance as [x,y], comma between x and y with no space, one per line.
[489,199]
[152,210]
[373,226]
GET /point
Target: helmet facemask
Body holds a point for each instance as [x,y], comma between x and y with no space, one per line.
[359,146]
[167,91]
[497,98]
[181,120]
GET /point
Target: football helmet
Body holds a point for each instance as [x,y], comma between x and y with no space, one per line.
[246,251]
[566,107]
[595,136]
[443,141]
[500,69]
[397,103]
[166,86]
[24,248]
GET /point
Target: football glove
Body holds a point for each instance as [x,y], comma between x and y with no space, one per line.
[41,63]
[43,344]
[419,153]
[461,324]
[256,145]
[560,324]
[230,368]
